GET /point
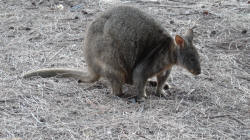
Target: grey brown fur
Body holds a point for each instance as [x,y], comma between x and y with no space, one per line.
[125,45]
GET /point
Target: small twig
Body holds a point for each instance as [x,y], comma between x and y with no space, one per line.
[8,100]
[183,99]
[35,118]
[140,135]
[181,14]
[31,8]
[218,116]
[56,54]
[237,120]
[165,97]
[227,115]
[182,2]
[77,39]
[170,6]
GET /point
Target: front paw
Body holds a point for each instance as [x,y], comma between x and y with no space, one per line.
[166,87]
[152,83]
[161,93]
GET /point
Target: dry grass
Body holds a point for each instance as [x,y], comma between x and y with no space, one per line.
[214,105]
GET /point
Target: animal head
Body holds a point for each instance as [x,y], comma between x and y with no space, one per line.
[187,55]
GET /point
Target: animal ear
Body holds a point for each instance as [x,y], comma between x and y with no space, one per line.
[179,41]
[189,34]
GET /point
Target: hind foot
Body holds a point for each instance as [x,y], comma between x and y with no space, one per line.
[116,88]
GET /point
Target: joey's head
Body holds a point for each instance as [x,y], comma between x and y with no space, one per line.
[187,55]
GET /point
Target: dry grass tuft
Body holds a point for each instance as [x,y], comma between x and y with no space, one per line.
[214,105]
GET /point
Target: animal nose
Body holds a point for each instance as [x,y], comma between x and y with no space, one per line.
[198,71]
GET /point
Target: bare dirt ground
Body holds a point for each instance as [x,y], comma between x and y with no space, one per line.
[40,34]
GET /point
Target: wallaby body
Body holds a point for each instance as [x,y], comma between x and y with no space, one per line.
[125,45]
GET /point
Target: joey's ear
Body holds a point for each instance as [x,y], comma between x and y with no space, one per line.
[179,41]
[189,34]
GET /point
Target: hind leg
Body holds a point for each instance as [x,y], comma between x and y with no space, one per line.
[161,79]
[114,75]
[116,86]
[88,78]
[116,79]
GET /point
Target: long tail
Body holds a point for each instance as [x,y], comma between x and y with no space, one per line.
[63,72]
[59,72]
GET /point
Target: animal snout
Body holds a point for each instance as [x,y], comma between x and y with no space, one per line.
[195,71]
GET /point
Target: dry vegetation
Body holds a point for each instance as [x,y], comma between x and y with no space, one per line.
[39,34]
